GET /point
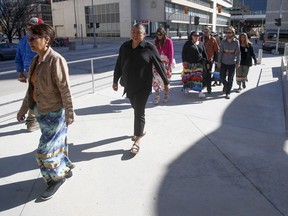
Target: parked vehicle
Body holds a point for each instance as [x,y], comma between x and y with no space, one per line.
[3,37]
[269,41]
[8,50]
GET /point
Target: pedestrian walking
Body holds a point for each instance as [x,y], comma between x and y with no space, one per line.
[134,66]
[228,59]
[212,49]
[247,54]
[194,59]
[23,59]
[49,96]
[165,49]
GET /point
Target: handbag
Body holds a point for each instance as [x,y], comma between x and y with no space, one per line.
[173,63]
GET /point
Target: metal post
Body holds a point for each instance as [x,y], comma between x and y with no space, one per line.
[76,33]
[190,25]
[278,31]
[94,30]
[82,35]
[92,73]
[260,53]
[169,22]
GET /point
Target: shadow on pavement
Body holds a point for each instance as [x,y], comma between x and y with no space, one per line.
[115,107]
[15,194]
[11,165]
[19,193]
[239,169]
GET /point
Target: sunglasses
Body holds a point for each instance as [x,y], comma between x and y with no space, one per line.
[31,39]
[228,32]
[159,34]
[196,35]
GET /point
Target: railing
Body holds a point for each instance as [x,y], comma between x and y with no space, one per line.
[92,66]
[76,61]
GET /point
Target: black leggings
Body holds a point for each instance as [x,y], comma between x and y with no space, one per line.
[138,102]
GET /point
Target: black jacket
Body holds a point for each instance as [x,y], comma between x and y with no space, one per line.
[134,67]
[247,54]
[191,54]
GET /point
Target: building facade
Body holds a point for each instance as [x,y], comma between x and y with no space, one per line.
[276,9]
[115,17]
[43,11]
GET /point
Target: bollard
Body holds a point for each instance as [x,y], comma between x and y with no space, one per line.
[260,52]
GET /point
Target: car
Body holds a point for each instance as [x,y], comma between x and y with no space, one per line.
[269,42]
[8,50]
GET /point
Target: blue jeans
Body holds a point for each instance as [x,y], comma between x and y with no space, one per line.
[231,71]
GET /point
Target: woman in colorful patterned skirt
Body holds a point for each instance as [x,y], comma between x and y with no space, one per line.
[194,60]
[49,96]
[165,49]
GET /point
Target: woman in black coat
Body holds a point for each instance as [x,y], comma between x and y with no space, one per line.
[134,69]
[247,54]
[194,60]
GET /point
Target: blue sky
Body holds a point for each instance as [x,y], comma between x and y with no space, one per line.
[256,5]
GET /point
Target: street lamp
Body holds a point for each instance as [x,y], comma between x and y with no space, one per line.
[168,27]
[75,25]
[278,30]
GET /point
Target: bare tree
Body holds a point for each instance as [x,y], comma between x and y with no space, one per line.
[14,15]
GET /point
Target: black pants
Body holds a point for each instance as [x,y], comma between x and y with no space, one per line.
[207,77]
[138,102]
[230,69]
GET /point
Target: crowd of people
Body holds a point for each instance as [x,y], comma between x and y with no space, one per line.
[141,67]
[200,54]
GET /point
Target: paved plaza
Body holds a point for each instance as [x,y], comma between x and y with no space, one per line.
[200,157]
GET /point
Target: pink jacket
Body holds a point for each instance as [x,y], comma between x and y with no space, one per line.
[167,49]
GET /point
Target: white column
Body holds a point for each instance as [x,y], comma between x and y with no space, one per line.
[214,15]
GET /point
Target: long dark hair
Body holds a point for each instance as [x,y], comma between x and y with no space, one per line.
[160,42]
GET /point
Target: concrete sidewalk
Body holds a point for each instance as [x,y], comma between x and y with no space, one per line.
[202,157]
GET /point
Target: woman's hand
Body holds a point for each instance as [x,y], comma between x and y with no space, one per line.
[115,86]
[69,121]
[218,65]
[21,116]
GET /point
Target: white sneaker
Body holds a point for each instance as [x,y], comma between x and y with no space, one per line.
[201,95]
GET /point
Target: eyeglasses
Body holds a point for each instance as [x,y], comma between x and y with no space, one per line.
[228,32]
[31,39]
[136,32]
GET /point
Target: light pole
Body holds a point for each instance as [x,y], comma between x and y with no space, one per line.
[93,20]
[75,25]
[278,31]
[168,28]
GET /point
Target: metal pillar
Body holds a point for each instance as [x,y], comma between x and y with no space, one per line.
[278,31]
[94,27]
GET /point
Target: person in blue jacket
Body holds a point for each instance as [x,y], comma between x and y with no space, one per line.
[23,59]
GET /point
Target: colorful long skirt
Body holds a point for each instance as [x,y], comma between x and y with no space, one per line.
[52,152]
[241,74]
[158,83]
[192,77]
